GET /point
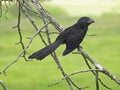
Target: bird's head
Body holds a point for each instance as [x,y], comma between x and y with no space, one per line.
[85,20]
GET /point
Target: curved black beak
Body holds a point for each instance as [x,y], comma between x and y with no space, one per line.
[91,21]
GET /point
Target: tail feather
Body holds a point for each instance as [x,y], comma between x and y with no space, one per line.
[39,55]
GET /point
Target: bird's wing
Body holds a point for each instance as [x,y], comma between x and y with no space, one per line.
[63,35]
[73,41]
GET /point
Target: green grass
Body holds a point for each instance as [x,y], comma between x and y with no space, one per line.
[36,75]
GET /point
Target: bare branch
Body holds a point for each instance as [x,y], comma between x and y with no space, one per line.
[87,63]
[2,84]
[44,12]
[32,22]
[19,31]
[97,80]
[22,52]
[106,72]
[72,74]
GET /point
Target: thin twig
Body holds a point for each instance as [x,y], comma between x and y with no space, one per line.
[51,32]
[48,16]
[33,24]
[104,71]
[87,63]
[22,52]
[3,85]
[62,70]
[19,31]
[72,74]
[97,80]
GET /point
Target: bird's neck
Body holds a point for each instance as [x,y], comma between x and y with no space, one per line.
[82,26]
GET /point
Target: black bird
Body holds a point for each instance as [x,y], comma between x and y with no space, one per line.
[72,37]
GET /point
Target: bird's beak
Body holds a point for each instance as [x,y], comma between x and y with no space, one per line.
[91,21]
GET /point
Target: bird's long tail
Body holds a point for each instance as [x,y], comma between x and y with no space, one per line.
[39,55]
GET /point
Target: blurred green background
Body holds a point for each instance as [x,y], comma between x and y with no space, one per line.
[36,75]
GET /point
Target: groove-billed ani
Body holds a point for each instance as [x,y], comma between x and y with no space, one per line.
[72,37]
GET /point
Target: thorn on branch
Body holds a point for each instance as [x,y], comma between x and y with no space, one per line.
[17,43]
[14,27]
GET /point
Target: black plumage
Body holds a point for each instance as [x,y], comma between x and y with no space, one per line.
[72,37]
